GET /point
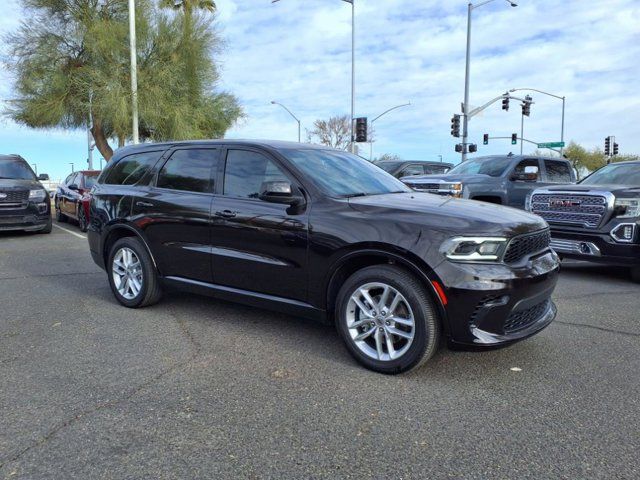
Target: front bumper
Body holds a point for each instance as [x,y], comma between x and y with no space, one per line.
[594,247]
[494,304]
[32,217]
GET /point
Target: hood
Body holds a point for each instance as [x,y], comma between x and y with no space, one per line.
[16,184]
[617,190]
[446,178]
[454,216]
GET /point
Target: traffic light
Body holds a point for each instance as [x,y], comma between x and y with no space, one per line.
[607,146]
[455,126]
[485,139]
[473,148]
[361,129]
[505,102]
[615,149]
[458,147]
[526,106]
[514,139]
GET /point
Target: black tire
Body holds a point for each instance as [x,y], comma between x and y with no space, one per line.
[82,219]
[426,319]
[48,228]
[151,291]
[635,274]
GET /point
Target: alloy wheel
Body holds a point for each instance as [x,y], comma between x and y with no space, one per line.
[380,321]
[127,274]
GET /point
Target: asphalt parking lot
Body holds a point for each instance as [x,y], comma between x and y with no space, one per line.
[198,388]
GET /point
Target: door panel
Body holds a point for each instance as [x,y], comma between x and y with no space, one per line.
[257,245]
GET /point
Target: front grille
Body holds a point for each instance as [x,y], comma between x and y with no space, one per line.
[565,208]
[524,318]
[14,196]
[425,187]
[525,245]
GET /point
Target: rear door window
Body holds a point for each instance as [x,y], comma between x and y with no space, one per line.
[411,170]
[246,171]
[558,172]
[189,170]
[130,169]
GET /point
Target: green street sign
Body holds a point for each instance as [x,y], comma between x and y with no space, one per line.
[551,145]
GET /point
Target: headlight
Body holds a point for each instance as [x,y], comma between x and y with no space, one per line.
[474,249]
[37,195]
[627,207]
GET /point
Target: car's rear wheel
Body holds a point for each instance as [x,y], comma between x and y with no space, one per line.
[48,227]
[132,275]
[387,320]
[82,219]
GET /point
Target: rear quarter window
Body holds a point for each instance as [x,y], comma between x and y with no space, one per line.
[130,169]
[558,172]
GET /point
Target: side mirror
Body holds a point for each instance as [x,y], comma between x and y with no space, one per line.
[530,174]
[43,177]
[73,186]
[280,192]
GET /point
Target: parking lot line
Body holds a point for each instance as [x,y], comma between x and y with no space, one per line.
[69,231]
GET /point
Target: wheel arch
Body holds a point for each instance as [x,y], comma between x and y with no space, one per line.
[118,231]
[361,258]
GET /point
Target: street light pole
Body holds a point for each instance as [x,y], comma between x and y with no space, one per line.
[134,69]
[564,102]
[467,75]
[273,102]
[353,70]
[382,115]
[72,169]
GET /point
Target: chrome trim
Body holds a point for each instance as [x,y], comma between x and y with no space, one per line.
[575,247]
[622,225]
[609,197]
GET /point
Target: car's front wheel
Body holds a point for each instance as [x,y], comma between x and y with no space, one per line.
[387,320]
[82,219]
[60,217]
[132,274]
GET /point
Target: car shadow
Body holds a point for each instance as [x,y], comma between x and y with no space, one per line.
[577,269]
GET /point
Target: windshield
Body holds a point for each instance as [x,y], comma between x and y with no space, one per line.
[341,174]
[492,166]
[388,166]
[622,174]
[90,180]
[16,169]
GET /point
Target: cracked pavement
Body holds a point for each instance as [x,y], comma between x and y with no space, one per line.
[198,388]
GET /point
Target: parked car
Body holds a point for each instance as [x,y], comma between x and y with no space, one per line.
[504,180]
[24,202]
[410,168]
[322,233]
[73,197]
[598,219]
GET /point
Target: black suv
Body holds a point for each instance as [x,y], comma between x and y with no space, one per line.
[24,202]
[598,219]
[317,232]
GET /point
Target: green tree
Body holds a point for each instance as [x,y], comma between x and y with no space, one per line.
[583,159]
[71,50]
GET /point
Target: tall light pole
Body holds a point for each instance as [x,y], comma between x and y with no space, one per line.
[273,102]
[382,115]
[353,70]
[465,106]
[72,169]
[134,69]
[564,101]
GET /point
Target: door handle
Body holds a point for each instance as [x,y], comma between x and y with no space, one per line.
[226,214]
[144,204]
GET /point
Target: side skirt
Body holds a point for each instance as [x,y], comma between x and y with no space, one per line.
[246,297]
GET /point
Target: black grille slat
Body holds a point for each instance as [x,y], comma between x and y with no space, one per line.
[14,196]
[525,245]
[566,208]
[524,318]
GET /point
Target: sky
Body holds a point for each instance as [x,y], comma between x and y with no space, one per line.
[298,52]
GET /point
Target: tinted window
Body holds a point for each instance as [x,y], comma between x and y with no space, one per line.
[15,169]
[67,181]
[412,170]
[493,166]
[530,162]
[622,174]
[435,169]
[558,172]
[75,179]
[131,169]
[246,171]
[342,174]
[189,170]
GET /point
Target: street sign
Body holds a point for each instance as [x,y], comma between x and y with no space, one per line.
[551,145]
